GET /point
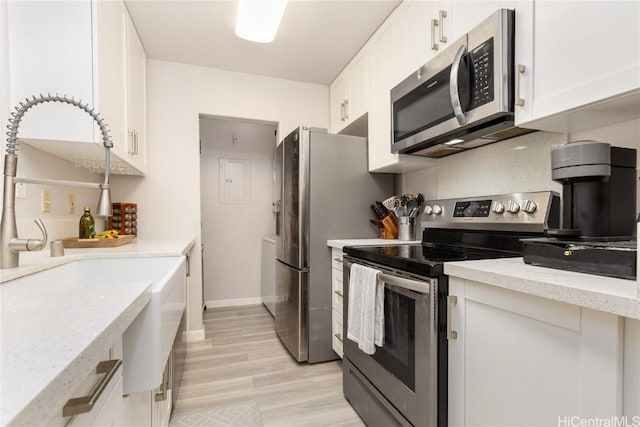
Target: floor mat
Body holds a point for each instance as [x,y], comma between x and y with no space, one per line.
[240,414]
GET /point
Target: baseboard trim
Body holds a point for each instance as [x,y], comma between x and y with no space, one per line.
[233,302]
[191,336]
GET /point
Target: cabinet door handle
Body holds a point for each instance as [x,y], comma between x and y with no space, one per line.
[339,293]
[434,24]
[130,146]
[443,14]
[135,142]
[451,301]
[520,69]
[346,109]
[81,405]
[339,336]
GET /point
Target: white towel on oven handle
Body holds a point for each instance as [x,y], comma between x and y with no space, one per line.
[365,319]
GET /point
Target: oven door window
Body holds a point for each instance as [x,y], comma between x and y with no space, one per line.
[398,353]
[430,103]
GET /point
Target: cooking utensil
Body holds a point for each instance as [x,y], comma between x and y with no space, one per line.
[382,208]
[411,205]
[390,203]
[379,214]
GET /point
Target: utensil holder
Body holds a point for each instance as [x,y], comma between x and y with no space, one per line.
[406,228]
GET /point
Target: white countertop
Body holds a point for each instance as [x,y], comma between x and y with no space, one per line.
[341,243]
[54,334]
[32,262]
[616,296]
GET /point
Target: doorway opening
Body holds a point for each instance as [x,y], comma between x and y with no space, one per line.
[236,185]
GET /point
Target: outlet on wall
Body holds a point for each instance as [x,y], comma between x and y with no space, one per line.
[46,201]
[71,204]
[21,188]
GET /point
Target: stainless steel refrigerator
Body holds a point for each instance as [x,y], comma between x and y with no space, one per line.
[326,194]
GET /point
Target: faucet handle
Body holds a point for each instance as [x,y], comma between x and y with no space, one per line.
[30,244]
[38,244]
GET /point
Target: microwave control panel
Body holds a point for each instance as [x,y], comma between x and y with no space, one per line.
[481,59]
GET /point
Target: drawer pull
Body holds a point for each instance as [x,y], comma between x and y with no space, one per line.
[339,293]
[339,336]
[451,301]
[337,259]
[81,405]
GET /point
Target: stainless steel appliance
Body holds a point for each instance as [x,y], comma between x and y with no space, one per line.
[462,98]
[405,381]
[326,193]
[598,212]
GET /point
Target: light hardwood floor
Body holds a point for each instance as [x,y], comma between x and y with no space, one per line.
[242,358]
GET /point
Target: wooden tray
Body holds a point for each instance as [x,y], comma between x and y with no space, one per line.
[74,242]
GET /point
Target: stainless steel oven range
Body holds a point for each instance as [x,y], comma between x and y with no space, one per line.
[405,381]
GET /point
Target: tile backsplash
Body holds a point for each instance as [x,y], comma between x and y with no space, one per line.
[515,165]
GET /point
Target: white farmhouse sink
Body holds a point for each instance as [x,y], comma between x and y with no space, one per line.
[148,340]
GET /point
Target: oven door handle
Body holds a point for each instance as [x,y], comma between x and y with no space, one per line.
[401,282]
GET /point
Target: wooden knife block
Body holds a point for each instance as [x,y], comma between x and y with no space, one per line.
[389,229]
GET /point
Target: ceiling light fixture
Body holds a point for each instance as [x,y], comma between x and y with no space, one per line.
[454,142]
[258,20]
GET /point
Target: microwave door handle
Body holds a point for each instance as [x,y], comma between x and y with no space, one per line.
[453,86]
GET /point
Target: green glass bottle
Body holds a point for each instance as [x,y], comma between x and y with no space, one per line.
[87,229]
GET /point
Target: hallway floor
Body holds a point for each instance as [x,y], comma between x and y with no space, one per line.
[242,359]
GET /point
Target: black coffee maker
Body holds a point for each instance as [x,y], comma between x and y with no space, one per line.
[598,212]
[598,190]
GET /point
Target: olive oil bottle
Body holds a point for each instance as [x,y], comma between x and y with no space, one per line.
[86,229]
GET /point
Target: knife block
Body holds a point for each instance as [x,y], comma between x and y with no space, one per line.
[390,228]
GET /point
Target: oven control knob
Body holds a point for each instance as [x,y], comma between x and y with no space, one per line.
[513,207]
[498,207]
[428,210]
[529,206]
[437,209]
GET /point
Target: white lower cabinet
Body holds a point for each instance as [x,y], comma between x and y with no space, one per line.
[336,301]
[520,360]
[98,400]
[151,408]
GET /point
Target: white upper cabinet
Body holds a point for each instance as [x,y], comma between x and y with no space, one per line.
[349,93]
[463,15]
[419,34]
[386,72]
[136,96]
[579,64]
[43,58]
[82,49]
[110,71]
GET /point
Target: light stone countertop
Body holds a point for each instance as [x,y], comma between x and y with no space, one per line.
[341,243]
[32,262]
[611,295]
[52,335]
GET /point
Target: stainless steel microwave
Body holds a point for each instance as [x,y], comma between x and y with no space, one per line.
[462,98]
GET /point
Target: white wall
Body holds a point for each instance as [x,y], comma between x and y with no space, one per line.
[233,233]
[169,196]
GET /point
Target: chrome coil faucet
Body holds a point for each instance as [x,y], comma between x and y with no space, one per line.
[10,244]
